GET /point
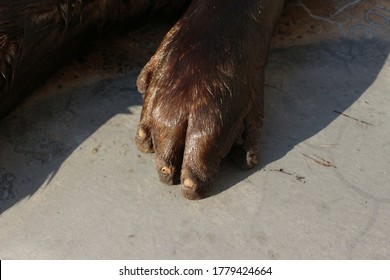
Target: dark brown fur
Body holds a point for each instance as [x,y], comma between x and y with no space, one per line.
[204,91]
[37,35]
[203,87]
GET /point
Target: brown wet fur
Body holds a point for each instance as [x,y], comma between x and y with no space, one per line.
[203,88]
[36,36]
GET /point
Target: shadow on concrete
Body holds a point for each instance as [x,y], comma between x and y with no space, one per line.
[307,87]
[38,138]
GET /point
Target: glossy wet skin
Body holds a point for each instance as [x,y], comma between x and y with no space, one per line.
[203,92]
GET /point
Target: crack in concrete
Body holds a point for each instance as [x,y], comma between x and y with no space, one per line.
[327,19]
[315,16]
[363,232]
[347,6]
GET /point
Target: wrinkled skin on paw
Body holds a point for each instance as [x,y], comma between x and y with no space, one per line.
[203,91]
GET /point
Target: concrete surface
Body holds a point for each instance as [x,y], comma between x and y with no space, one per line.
[73,185]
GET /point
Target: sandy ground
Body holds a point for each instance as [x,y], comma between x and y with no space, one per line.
[74,186]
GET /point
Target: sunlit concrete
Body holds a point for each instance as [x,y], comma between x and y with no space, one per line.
[74,186]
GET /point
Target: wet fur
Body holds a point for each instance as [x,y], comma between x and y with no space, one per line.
[203,88]
[204,91]
[37,35]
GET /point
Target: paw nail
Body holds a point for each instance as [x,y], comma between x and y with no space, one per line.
[141,133]
[189,184]
[252,159]
[166,170]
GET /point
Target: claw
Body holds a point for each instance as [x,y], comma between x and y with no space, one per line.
[166,170]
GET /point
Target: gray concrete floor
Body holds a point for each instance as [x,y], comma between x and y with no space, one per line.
[74,186]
